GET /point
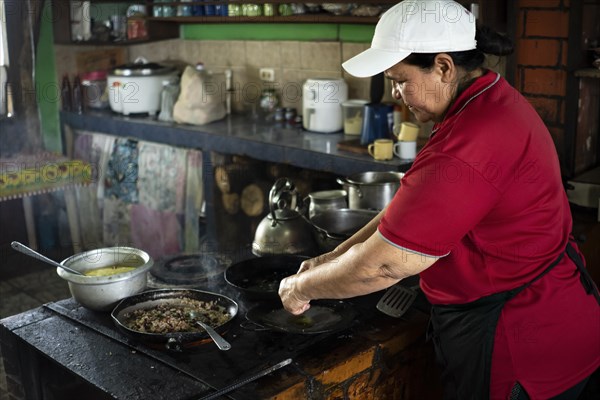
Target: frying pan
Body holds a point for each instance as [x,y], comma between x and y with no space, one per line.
[175,340]
[323,316]
[258,278]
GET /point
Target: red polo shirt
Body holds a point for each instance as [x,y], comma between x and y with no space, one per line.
[486,194]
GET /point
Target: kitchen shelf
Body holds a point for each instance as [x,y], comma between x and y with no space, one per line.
[61,21]
[321,17]
[299,18]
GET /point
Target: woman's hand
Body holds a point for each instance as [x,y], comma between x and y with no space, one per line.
[290,295]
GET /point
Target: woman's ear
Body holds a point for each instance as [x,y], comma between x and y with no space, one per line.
[444,65]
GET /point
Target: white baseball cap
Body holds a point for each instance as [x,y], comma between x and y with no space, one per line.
[415,26]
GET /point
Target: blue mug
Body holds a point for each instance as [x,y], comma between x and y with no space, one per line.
[376,123]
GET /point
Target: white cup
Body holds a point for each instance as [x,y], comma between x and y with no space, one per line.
[406,150]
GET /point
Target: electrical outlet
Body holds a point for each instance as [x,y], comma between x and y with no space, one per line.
[267,74]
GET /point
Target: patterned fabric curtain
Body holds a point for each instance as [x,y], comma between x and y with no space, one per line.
[145,195]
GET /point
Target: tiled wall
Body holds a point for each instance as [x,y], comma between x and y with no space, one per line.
[293,62]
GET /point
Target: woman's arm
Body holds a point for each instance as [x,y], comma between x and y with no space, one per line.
[362,235]
[363,268]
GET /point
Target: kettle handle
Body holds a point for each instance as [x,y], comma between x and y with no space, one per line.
[275,201]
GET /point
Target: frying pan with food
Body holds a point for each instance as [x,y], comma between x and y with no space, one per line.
[323,316]
[161,318]
[258,278]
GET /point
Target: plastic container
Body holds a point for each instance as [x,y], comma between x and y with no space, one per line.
[95,94]
[353,112]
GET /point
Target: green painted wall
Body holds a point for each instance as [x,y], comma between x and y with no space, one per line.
[47,89]
[266,31]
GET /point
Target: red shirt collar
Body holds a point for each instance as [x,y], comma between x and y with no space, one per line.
[481,84]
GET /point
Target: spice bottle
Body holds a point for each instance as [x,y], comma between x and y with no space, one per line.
[65,94]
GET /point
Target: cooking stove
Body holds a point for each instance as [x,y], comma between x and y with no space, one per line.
[188,270]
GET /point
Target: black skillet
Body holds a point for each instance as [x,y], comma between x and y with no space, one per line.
[258,278]
[324,316]
[176,340]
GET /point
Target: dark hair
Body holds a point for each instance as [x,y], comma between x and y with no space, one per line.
[488,42]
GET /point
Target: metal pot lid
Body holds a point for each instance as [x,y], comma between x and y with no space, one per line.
[375,178]
[141,67]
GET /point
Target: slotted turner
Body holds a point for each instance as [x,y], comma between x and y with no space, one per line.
[397,300]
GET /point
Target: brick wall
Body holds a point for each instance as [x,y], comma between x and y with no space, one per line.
[541,54]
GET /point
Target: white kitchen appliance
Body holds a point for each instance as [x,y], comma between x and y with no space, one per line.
[135,88]
[322,100]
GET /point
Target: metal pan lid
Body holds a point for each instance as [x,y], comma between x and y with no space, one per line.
[141,67]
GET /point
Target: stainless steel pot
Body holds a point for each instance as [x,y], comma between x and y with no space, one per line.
[371,190]
[326,200]
[332,227]
[101,293]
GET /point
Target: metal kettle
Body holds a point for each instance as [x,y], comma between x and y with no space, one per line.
[284,230]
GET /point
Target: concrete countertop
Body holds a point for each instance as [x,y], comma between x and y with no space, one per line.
[241,135]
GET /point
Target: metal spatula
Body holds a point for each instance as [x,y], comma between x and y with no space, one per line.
[397,300]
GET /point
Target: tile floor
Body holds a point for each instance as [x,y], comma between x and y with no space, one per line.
[25,283]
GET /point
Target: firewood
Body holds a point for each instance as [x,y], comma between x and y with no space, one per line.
[231,178]
[255,198]
[231,203]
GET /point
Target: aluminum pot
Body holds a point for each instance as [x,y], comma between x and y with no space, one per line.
[371,190]
[102,293]
[326,200]
[332,227]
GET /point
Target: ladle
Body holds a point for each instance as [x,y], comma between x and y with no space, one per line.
[221,343]
[32,253]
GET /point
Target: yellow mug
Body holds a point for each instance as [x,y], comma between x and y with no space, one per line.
[381,149]
[408,132]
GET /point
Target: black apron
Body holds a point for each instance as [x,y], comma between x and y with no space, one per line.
[463,336]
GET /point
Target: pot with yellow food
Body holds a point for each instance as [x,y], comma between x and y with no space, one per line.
[109,275]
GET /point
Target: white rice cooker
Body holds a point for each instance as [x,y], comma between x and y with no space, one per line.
[135,88]
[322,100]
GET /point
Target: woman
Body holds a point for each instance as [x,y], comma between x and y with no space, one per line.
[481,216]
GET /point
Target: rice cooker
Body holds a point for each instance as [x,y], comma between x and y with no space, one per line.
[322,100]
[136,87]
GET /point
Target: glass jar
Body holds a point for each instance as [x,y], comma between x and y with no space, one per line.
[268,100]
[95,93]
[168,98]
[157,10]
[234,10]
[285,10]
[268,10]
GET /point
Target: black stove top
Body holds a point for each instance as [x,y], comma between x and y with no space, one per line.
[188,270]
[254,348]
